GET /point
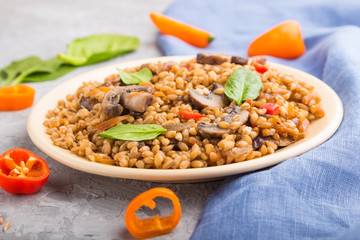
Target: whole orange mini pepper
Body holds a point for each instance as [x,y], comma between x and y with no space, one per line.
[22,172]
[195,36]
[151,227]
[283,41]
[16,97]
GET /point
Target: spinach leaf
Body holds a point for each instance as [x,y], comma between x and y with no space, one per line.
[17,67]
[98,47]
[144,75]
[131,132]
[44,71]
[38,76]
[243,84]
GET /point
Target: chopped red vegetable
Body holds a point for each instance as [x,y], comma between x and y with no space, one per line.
[271,108]
[22,172]
[151,227]
[260,68]
[190,114]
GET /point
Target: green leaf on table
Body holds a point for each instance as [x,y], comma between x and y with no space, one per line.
[97,48]
[59,69]
[132,132]
[17,67]
[243,84]
[144,75]
[44,71]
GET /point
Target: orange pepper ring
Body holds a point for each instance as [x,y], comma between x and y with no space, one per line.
[150,227]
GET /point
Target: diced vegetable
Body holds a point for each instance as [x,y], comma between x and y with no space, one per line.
[260,68]
[271,108]
[17,97]
[283,41]
[188,33]
[151,227]
[22,172]
[190,114]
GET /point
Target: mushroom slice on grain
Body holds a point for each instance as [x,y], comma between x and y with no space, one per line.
[177,126]
[137,101]
[88,102]
[259,140]
[239,60]
[110,104]
[217,59]
[211,100]
[283,142]
[236,110]
[208,131]
[212,59]
[119,97]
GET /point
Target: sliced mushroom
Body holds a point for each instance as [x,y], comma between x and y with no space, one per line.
[217,59]
[137,101]
[239,60]
[236,110]
[211,100]
[212,59]
[177,126]
[259,140]
[88,102]
[208,130]
[135,98]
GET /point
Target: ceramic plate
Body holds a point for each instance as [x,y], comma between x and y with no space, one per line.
[320,130]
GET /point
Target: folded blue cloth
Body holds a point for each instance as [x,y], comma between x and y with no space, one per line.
[317,194]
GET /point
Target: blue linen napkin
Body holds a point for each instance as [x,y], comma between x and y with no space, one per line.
[317,194]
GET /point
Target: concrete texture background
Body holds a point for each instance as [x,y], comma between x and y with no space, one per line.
[74,204]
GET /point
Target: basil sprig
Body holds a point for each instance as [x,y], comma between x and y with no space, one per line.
[132,132]
[243,84]
[144,75]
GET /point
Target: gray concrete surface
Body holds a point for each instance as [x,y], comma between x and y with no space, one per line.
[74,204]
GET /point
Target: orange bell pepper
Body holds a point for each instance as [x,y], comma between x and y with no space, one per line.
[151,227]
[188,33]
[22,172]
[282,41]
[17,97]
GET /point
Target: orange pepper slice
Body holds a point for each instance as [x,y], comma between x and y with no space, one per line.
[17,97]
[151,227]
[195,36]
[283,41]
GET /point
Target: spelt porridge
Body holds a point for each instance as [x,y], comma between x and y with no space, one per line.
[204,126]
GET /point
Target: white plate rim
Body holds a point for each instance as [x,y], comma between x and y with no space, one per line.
[36,131]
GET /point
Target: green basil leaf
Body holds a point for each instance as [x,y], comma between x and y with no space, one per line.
[144,75]
[17,67]
[131,132]
[243,84]
[97,48]
[45,70]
